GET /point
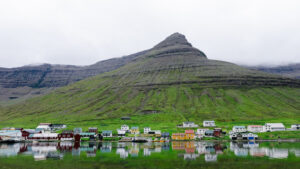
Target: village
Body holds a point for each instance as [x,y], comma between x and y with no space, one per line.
[192,131]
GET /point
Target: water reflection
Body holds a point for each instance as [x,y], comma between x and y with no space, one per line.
[253,149]
[184,150]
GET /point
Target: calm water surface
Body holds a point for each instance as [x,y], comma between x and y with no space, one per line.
[142,155]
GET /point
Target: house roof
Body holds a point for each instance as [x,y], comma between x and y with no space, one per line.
[177,134]
[189,131]
[93,128]
[106,132]
[86,133]
[209,131]
[239,127]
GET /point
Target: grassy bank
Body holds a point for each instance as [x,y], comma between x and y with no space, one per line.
[279,135]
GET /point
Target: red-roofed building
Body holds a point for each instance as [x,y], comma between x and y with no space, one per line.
[189,134]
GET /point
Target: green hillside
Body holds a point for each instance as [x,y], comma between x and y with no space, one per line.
[166,85]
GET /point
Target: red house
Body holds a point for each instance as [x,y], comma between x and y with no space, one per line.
[66,135]
[217,132]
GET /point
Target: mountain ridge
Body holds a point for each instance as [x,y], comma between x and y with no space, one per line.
[167,84]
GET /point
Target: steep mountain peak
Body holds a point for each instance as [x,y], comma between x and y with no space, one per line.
[173,40]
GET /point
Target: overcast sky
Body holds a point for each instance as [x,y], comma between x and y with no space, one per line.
[84,32]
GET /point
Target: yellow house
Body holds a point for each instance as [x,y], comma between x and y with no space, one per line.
[134,130]
[178,136]
[189,135]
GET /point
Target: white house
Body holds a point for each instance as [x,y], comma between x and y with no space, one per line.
[201,131]
[209,124]
[255,128]
[125,127]
[295,126]
[239,129]
[189,124]
[274,127]
[121,133]
[146,130]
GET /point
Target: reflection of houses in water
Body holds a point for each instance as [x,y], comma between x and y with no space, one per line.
[238,149]
[7,150]
[123,152]
[134,150]
[148,151]
[296,152]
[195,149]
[250,144]
[187,150]
[106,147]
[190,156]
[258,152]
[89,147]
[65,146]
[189,147]
[200,146]
[210,157]
[44,150]
[278,153]
[242,149]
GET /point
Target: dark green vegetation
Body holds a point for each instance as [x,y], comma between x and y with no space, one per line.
[161,87]
[279,135]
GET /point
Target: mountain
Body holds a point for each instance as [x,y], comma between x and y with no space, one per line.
[30,81]
[291,70]
[162,86]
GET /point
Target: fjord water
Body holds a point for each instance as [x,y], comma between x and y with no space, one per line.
[150,155]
